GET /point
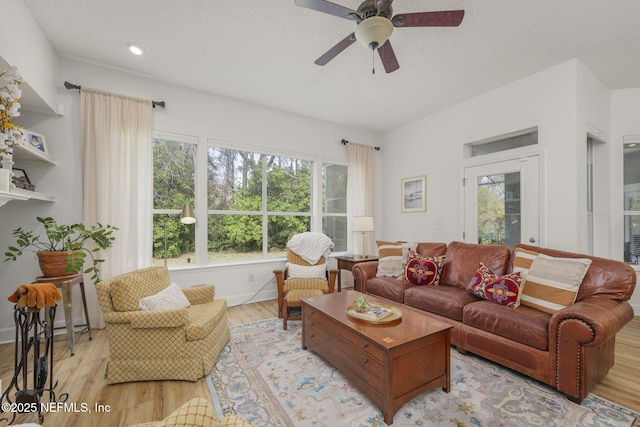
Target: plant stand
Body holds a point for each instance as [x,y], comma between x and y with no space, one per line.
[32,333]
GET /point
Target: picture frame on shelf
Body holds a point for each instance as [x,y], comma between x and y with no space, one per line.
[35,141]
[21,180]
[414,194]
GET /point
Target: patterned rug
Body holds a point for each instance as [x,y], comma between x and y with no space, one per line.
[265,377]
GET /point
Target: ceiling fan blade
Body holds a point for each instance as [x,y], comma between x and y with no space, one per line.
[328,7]
[388,57]
[334,51]
[445,18]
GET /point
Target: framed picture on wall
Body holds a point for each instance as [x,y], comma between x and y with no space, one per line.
[35,141]
[414,194]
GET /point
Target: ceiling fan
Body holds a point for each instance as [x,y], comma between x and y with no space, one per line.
[375,24]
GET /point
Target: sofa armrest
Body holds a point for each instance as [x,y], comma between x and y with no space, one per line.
[582,343]
[149,319]
[362,272]
[200,294]
[601,319]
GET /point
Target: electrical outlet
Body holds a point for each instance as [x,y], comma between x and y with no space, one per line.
[251,277]
[438,230]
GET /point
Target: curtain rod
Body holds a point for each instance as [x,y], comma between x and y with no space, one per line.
[345,142]
[71,86]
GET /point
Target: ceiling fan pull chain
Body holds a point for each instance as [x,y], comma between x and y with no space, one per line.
[373,61]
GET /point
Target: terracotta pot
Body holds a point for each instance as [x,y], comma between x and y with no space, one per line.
[53,263]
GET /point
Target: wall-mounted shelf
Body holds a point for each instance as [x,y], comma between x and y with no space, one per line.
[28,153]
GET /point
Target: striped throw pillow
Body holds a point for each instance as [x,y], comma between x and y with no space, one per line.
[553,283]
[389,259]
[522,261]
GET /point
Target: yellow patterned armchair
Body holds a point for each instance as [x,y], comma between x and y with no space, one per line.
[176,344]
[197,413]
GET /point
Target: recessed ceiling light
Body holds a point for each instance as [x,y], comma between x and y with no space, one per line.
[136,50]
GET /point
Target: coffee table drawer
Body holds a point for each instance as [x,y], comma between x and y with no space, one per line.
[334,348]
[317,319]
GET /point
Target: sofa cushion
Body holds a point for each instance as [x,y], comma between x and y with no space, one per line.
[524,325]
[447,301]
[463,260]
[203,318]
[388,287]
[431,249]
[503,290]
[553,283]
[129,288]
[423,270]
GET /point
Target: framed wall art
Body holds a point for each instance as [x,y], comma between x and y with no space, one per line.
[414,194]
[35,141]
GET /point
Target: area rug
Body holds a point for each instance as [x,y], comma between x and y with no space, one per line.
[265,377]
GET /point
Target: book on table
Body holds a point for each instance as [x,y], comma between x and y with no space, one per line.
[376,312]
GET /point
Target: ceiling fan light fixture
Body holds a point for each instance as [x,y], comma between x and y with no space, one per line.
[373,32]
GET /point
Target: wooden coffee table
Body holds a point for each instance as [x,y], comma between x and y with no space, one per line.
[390,363]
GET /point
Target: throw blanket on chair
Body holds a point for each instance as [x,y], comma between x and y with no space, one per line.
[35,295]
[310,246]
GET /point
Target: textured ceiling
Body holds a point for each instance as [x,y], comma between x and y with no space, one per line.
[262,51]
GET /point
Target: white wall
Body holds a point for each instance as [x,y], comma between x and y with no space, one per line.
[188,112]
[24,45]
[434,145]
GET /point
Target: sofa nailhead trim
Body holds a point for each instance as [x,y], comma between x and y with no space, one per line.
[580,344]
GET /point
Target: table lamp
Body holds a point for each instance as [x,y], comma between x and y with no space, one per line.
[363,225]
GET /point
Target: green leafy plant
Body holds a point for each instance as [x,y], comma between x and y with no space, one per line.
[72,239]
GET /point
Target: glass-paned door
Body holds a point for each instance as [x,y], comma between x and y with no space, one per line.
[502,202]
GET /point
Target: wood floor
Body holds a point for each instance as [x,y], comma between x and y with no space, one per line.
[82,377]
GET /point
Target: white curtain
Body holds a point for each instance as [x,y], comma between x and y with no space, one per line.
[361,188]
[117,170]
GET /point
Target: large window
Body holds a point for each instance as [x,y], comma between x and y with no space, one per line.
[174,171]
[249,206]
[256,202]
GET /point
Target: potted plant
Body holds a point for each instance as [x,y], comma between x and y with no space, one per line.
[65,248]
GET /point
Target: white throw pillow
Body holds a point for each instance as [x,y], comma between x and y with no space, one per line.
[297,271]
[170,298]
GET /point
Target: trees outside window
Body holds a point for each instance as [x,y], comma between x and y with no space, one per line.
[254,201]
[174,171]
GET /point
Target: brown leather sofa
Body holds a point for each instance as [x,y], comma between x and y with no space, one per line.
[571,350]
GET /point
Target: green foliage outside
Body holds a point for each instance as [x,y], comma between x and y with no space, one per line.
[491,214]
[234,185]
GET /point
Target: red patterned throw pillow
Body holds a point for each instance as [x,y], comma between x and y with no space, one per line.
[503,290]
[423,270]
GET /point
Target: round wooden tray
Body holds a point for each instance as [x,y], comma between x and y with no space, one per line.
[394,316]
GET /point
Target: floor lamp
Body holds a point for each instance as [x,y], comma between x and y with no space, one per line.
[186,217]
[363,225]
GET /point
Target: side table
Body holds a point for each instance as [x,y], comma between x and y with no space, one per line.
[65,283]
[348,263]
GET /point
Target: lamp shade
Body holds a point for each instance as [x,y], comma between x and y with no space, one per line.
[373,32]
[362,224]
[187,216]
